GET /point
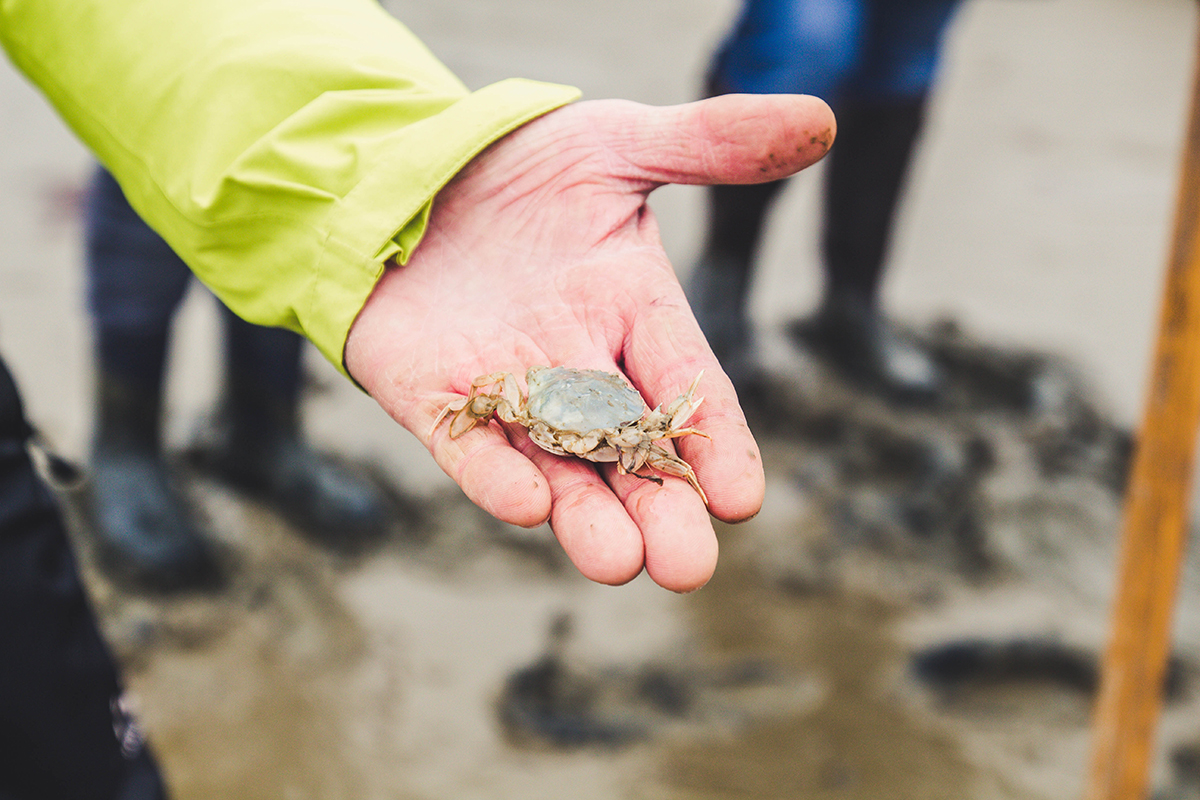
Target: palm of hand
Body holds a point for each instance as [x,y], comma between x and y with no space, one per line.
[543,251]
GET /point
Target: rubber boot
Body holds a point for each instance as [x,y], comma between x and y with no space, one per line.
[256,446]
[719,285]
[864,179]
[143,529]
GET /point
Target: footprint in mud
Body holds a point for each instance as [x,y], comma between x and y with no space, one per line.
[958,668]
[1015,461]
[1038,678]
[557,701]
[1185,774]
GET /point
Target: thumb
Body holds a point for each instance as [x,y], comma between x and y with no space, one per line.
[733,138]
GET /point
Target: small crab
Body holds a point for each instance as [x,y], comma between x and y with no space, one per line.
[587,413]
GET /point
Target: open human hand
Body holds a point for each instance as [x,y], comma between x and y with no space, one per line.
[543,251]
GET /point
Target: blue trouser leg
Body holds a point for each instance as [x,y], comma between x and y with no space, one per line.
[881,108]
[135,283]
[874,61]
[790,46]
[839,50]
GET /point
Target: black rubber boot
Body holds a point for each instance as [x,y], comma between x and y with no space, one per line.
[865,175]
[863,346]
[144,534]
[719,284]
[255,445]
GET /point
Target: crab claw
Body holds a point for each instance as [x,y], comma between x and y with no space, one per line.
[478,406]
[469,416]
[666,423]
[454,406]
[468,413]
[681,408]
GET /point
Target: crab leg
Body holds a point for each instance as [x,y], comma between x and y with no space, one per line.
[675,434]
[654,456]
[663,461]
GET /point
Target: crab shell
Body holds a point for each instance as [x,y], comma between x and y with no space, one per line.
[571,411]
[586,413]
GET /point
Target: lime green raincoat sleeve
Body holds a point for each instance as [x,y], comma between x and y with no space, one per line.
[286,149]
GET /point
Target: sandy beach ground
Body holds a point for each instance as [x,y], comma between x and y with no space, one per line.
[1038,219]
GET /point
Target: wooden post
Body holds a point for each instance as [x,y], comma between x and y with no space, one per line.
[1155,527]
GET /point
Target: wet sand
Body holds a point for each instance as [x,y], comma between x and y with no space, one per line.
[1038,220]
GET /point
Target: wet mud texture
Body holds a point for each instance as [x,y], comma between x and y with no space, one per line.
[916,613]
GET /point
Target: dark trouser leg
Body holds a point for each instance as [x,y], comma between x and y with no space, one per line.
[258,444]
[865,176]
[58,678]
[263,376]
[135,282]
[718,287]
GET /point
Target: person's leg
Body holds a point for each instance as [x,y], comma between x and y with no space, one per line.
[135,283]
[776,46]
[718,287]
[258,443]
[880,110]
[863,183]
[782,46]
[60,685]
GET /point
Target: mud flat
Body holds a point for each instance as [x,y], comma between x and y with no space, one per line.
[915,613]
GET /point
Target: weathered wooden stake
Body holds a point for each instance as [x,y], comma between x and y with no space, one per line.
[1155,527]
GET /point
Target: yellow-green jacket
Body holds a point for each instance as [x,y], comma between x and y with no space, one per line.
[286,149]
